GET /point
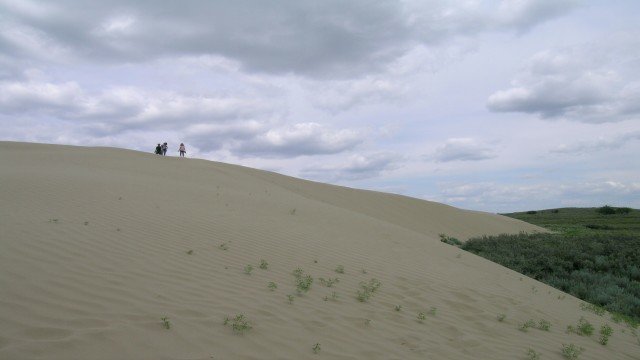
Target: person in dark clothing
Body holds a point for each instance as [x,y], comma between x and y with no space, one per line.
[159,150]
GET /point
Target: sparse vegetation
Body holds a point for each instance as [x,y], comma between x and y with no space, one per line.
[316,348]
[340,269]
[398,307]
[272,286]
[544,325]
[605,333]
[303,282]
[264,265]
[239,324]
[421,317]
[190,252]
[290,299]
[532,354]
[583,328]
[367,290]
[329,282]
[224,246]
[598,310]
[450,240]
[571,351]
[165,322]
[501,317]
[433,310]
[524,327]
[248,269]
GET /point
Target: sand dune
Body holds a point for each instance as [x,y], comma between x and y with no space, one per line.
[97,244]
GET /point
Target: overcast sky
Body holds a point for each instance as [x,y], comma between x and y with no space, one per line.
[502,105]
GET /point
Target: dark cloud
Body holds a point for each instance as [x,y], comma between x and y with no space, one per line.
[594,83]
[318,38]
[462,149]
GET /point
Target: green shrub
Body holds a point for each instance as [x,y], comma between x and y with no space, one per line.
[367,290]
[571,351]
[544,325]
[239,324]
[532,354]
[605,333]
[606,210]
[600,269]
[264,265]
[450,240]
[165,322]
[340,269]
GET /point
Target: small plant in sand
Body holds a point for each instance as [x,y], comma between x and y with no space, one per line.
[364,271]
[298,272]
[544,325]
[264,265]
[334,296]
[292,211]
[367,322]
[329,282]
[224,246]
[54,221]
[248,269]
[190,252]
[239,324]
[398,308]
[583,328]
[501,317]
[272,286]
[165,322]
[316,348]
[532,354]
[368,289]
[421,317]
[86,223]
[524,327]
[303,284]
[571,351]
[290,299]
[433,310]
[340,269]
[605,332]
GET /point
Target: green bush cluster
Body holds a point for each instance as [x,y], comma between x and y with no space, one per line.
[600,269]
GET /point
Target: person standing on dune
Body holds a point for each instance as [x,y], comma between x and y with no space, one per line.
[182,150]
[164,149]
[159,149]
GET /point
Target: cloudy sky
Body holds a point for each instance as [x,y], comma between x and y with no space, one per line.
[496,105]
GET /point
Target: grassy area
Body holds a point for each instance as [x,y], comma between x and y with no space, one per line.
[591,255]
[582,221]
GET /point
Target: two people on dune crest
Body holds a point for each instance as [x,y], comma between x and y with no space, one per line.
[161,149]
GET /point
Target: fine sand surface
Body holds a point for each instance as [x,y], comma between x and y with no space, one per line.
[98,244]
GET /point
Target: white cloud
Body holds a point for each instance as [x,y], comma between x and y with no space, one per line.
[462,149]
[597,145]
[300,139]
[512,197]
[593,83]
[355,167]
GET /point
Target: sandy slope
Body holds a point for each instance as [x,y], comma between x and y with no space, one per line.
[93,252]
